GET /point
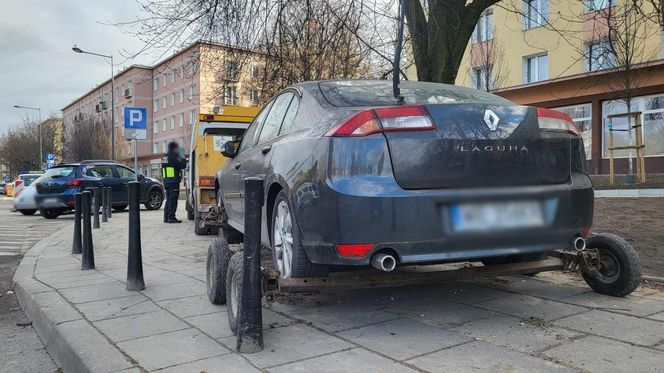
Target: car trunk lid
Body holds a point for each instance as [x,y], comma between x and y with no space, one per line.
[56,180]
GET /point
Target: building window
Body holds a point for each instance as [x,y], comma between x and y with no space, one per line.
[536,68]
[230,95]
[594,5]
[484,28]
[582,116]
[191,92]
[155,126]
[231,69]
[163,102]
[192,116]
[192,69]
[163,125]
[165,147]
[173,77]
[255,96]
[164,80]
[599,56]
[652,119]
[155,83]
[173,122]
[255,71]
[535,13]
[181,95]
[155,147]
[482,79]
[181,119]
[155,105]
[172,99]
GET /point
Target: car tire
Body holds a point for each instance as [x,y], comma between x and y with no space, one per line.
[119,207]
[300,265]
[50,213]
[27,212]
[234,290]
[619,266]
[190,213]
[155,200]
[218,257]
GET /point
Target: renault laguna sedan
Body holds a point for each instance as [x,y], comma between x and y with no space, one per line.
[353,176]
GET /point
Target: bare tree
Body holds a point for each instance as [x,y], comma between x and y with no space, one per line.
[19,147]
[489,70]
[86,139]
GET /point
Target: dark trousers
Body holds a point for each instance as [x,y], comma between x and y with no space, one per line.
[172,194]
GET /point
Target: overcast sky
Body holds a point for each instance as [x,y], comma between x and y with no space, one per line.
[38,67]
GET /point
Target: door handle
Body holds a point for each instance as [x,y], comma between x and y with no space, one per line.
[266,149]
[237,165]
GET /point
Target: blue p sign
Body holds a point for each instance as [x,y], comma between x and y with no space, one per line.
[135,123]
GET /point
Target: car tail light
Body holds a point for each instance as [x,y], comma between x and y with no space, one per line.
[355,250]
[388,119]
[552,120]
[74,183]
[206,181]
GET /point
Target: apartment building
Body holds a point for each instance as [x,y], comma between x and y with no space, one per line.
[572,56]
[200,78]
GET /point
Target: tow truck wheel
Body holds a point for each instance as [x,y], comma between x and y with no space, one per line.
[234,290]
[219,255]
[618,268]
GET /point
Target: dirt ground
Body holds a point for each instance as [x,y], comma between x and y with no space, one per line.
[641,222]
[601,182]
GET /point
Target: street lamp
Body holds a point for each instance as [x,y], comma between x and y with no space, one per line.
[76,49]
[41,149]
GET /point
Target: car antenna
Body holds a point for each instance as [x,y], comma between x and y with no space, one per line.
[397,56]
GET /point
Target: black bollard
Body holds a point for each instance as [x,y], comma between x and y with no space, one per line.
[76,244]
[109,197]
[88,259]
[250,325]
[135,280]
[104,205]
[97,204]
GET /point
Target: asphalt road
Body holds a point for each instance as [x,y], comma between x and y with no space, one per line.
[22,350]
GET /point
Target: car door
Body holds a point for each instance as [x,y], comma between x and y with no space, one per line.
[125,175]
[230,175]
[100,175]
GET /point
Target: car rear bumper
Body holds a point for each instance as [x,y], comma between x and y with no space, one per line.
[415,226]
[55,201]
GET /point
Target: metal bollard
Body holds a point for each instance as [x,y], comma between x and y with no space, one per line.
[76,245]
[135,280]
[109,196]
[88,259]
[250,325]
[97,204]
[104,205]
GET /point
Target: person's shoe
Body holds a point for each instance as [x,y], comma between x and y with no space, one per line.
[171,221]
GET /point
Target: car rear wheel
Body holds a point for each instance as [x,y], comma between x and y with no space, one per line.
[50,213]
[288,253]
[155,199]
[27,212]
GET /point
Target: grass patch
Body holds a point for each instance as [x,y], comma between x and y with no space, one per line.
[534,321]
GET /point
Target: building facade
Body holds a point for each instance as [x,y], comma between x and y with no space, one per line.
[588,58]
[200,78]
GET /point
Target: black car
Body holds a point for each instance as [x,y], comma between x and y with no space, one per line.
[353,176]
[56,189]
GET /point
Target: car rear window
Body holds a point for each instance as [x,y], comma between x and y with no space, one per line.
[357,93]
[57,172]
[28,179]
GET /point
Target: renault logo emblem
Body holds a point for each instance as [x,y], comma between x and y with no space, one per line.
[491,119]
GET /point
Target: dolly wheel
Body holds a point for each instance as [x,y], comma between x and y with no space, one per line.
[234,290]
[619,268]
[219,255]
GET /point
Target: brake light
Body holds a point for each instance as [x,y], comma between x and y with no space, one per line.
[74,183]
[388,119]
[355,250]
[207,181]
[553,120]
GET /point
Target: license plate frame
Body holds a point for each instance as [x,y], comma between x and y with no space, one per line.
[477,217]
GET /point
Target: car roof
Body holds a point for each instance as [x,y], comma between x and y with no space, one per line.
[92,162]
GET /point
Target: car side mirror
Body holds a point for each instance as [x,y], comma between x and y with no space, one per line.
[228,149]
[141,176]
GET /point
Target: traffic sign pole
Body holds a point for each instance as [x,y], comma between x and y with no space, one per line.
[135,129]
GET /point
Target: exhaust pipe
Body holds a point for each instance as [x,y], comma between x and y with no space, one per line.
[384,262]
[579,243]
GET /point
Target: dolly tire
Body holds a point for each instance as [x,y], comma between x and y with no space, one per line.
[234,290]
[219,255]
[619,268]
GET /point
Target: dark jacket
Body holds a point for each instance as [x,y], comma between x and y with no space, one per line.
[174,160]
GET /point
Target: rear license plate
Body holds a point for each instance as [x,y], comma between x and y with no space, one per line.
[51,201]
[496,216]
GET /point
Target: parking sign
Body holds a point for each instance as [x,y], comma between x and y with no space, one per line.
[135,123]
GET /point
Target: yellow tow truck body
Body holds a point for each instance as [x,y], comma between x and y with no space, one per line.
[208,136]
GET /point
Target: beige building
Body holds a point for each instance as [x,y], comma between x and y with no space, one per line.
[200,78]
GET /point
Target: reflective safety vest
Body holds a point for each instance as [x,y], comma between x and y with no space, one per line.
[168,172]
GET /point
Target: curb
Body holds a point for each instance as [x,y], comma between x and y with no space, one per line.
[630,193]
[74,344]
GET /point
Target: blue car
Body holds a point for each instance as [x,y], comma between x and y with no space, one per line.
[56,189]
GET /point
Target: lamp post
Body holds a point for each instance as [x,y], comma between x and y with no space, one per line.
[41,148]
[76,49]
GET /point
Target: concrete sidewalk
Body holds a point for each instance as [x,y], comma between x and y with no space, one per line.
[89,323]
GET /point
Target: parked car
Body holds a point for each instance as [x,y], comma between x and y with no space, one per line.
[24,202]
[56,189]
[3,191]
[353,176]
[24,181]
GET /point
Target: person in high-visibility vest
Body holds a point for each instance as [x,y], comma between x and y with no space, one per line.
[171,173]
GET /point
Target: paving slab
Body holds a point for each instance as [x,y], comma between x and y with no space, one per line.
[228,363]
[622,327]
[440,312]
[169,349]
[216,324]
[83,294]
[191,306]
[291,343]
[142,325]
[602,355]
[658,316]
[511,332]
[525,306]
[340,316]
[173,291]
[532,286]
[484,357]
[357,360]
[403,338]
[116,307]
[630,305]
